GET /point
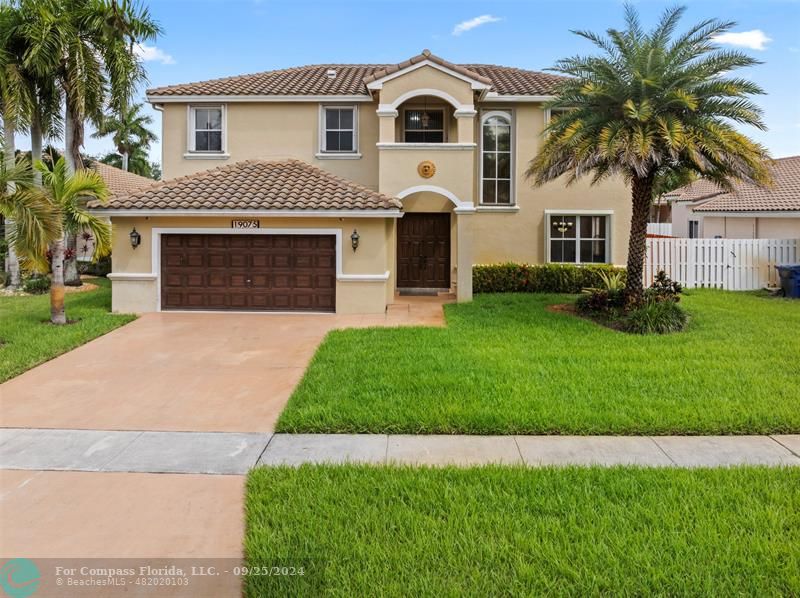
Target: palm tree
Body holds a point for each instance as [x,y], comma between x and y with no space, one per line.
[68,194]
[32,222]
[138,163]
[128,126]
[15,105]
[87,46]
[651,103]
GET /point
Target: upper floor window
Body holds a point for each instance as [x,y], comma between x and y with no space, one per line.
[578,238]
[496,159]
[339,129]
[207,129]
[423,126]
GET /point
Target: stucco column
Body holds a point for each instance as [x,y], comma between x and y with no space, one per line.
[386,118]
[464,257]
[466,125]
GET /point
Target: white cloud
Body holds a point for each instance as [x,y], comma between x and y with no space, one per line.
[152,54]
[472,23]
[755,39]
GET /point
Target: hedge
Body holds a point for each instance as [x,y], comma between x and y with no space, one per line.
[537,278]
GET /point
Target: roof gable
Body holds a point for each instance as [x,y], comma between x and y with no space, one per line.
[378,78]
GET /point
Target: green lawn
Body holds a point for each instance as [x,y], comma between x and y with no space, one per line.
[382,531]
[26,340]
[506,365]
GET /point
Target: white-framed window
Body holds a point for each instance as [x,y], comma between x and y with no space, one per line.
[694,229]
[338,129]
[554,113]
[578,237]
[207,129]
[497,159]
[424,125]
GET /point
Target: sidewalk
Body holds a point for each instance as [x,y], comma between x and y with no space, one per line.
[236,453]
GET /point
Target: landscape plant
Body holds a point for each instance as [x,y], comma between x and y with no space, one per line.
[650,104]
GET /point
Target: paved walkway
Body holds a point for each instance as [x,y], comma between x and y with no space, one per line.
[236,453]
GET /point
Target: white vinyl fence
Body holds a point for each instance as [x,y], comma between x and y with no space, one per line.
[659,228]
[732,264]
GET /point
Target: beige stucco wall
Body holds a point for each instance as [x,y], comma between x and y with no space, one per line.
[426,77]
[374,256]
[749,227]
[271,130]
[520,236]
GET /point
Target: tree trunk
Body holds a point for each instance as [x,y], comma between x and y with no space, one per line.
[36,146]
[73,140]
[57,314]
[12,260]
[124,161]
[642,195]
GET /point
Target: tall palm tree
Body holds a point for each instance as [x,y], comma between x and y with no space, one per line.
[128,126]
[32,222]
[88,46]
[653,102]
[68,194]
[15,105]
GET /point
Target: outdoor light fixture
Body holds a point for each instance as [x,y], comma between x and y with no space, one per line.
[136,238]
[562,226]
[354,239]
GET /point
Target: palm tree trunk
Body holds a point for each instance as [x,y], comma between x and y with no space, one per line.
[73,139]
[57,314]
[12,260]
[642,195]
[125,161]
[36,145]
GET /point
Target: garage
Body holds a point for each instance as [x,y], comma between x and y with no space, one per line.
[248,272]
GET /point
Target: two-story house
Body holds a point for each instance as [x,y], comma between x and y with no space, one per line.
[334,187]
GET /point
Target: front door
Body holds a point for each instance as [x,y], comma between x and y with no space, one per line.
[423,251]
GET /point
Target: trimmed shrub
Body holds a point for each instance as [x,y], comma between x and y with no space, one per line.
[99,267]
[36,285]
[538,278]
[655,317]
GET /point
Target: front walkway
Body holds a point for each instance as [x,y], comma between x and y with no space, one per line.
[232,453]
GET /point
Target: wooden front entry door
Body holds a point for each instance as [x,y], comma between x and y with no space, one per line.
[423,251]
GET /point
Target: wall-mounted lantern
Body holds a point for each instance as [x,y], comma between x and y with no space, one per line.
[136,238]
[354,239]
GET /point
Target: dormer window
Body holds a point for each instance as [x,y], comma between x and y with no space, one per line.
[424,126]
[207,133]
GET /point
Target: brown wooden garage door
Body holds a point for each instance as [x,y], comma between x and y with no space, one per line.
[248,272]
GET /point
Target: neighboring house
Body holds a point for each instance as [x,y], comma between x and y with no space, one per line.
[119,182]
[703,210]
[333,187]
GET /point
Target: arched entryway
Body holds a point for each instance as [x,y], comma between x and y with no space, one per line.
[426,241]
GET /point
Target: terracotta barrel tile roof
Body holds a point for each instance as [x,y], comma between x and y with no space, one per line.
[351,80]
[426,55]
[256,185]
[783,196]
[118,181]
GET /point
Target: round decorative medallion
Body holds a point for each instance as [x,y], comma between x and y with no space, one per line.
[426,169]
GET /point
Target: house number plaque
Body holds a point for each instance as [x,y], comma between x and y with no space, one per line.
[245,224]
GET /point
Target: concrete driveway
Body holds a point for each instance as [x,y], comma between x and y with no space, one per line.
[192,372]
[203,372]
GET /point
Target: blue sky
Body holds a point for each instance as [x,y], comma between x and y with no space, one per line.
[214,38]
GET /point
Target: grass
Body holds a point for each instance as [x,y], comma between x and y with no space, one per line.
[364,531]
[505,365]
[26,339]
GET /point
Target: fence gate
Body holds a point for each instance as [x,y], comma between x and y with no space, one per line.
[732,264]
